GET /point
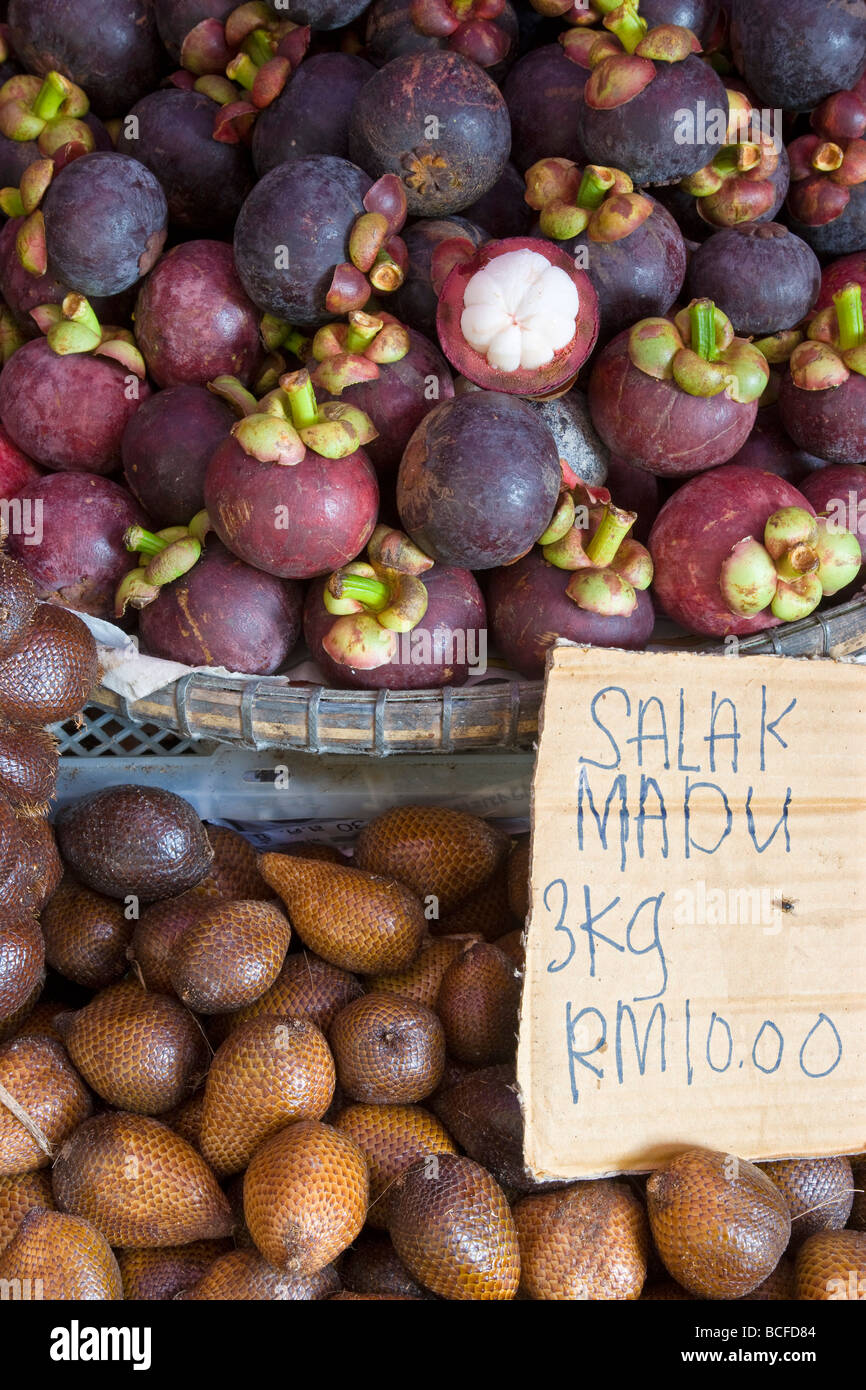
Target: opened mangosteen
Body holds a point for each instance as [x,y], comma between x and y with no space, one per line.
[437,122]
[417,299]
[827,197]
[822,400]
[193,319]
[66,398]
[586,581]
[311,114]
[166,448]
[759,273]
[396,621]
[390,372]
[544,92]
[291,489]
[629,244]
[484,30]
[479,480]
[794,54]
[677,397]
[737,550]
[518,316]
[650,103]
[111,50]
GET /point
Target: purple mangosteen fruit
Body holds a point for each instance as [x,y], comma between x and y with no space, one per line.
[437,122]
[759,273]
[194,320]
[827,198]
[629,244]
[846,271]
[80,557]
[677,397]
[484,30]
[701,16]
[822,399]
[105,223]
[175,19]
[839,493]
[111,48]
[46,118]
[637,491]
[544,92]
[479,480]
[291,490]
[413,626]
[223,612]
[166,448]
[204,180]
[647,99]
[415,301]
[322,14]
[66,398]
[311,114]
[736,551]
[794,54]
[502,211]
[569,421]
[772,449]
[17,471]
[22,292]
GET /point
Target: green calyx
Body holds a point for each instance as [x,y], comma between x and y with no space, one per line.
[799,560]
[288,421]
[49,110]
[588,536]
[835,345]
[699,351]
[72,328]
[601,201]
[353,352]
[372,601]
[736,186]
[163,556]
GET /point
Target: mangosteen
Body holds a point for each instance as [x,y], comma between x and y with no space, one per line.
[771,448]
[106,218]
[22,291]
[177,18]
[416,300]
[80,558]
[822,400]
[112,50]
[502,211]
[569,421]
[518,316]
[439,123]
[16,469]
[677,397]
[839,493]
[46,118]
[635,490]
[701,16]
[311,114]
[847,270]
[193,320]
[204,180]
[827,197]
[479,480]
[544,92]
[484,30]
[651,106]
[293,232]
[759,274]
[322,14]
[794,54]
[166,448]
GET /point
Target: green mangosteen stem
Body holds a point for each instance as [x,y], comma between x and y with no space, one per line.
[77,309]
[462,8]
[849,313]
[612,528]
[373,593]
[143,542]
[799,560]
[702,320]
[362,330]
[628,26]
[50,97]
[258,45]
[594,187]
[295,343]
[302,399]
[242,70]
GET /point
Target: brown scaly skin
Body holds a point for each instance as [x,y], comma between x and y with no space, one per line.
[86,935]
[153,1274]
[831,1266]
[387,1050]
[392,1138]
[49,678]
[40,1076]
[70,1256]
[372,1266]
[22,966]
[818,1192]
[421,979]
[433,850]
[589,1241]
[160,927]
[306,987]
[20,1194]
[478,1002]
[230,956]
[243,1275]
[235,868]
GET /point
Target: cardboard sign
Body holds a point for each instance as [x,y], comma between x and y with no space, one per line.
[696,964]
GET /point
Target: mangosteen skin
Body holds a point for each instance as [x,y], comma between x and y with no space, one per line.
[416,302]
[794,54]
[193,320]
[843,236]
[305,211]
[111,48]
[835,486]
[759,273]
[296,521]
[698,15]
[639,136]
[439,123]
[175,19]
[81,558]
[637,277]
[479,480]
[455,605]
[656,424]
[67,412]
[695,532]
[694,227]
[569,421]
[311,114]
[544,93]
[106,218]
[634,490]
[23,291]
[224,613]
[323,14]
[831,423]
[390,33]
[839,274]
[398,400]
[769,447]
[503,211]
[204,180]
[166,448]
[529,609]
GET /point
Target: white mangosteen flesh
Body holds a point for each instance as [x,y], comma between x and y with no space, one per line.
[519,311]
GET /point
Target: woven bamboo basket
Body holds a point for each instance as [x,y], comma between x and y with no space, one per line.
[273,712]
